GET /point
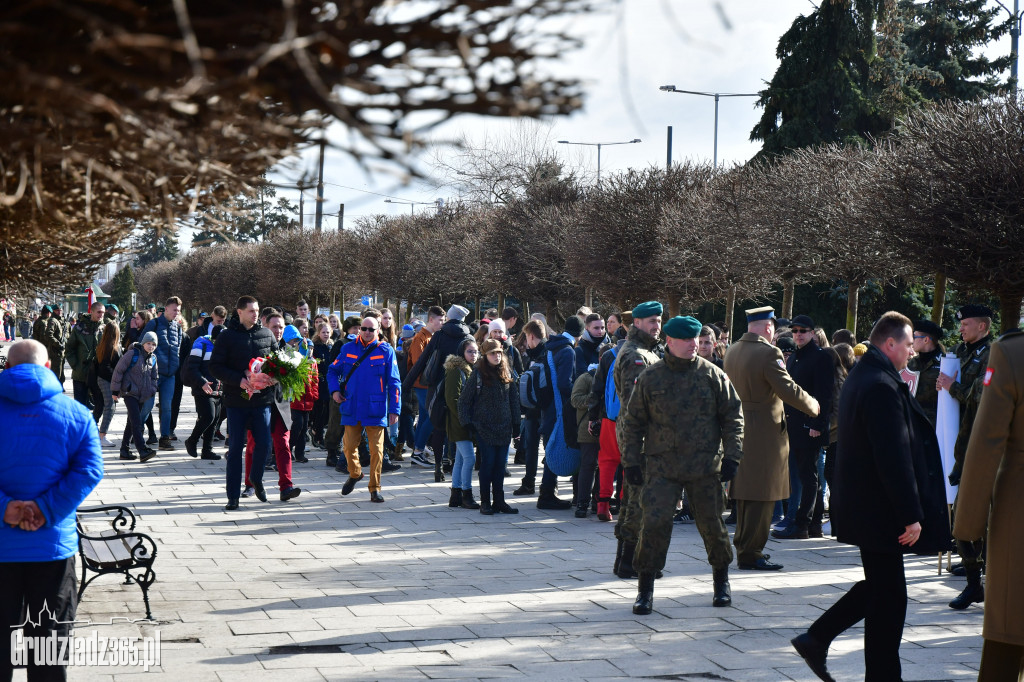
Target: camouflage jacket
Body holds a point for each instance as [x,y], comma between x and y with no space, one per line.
[684,413]
[639,352]
[55,335]
[927,395]
[967,390]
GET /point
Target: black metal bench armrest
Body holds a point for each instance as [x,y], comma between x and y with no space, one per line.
[125,516]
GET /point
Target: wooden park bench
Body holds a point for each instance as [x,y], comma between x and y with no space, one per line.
[117,549]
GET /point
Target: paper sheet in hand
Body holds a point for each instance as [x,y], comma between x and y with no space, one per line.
[947,423]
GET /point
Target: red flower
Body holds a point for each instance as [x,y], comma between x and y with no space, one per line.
[282,371]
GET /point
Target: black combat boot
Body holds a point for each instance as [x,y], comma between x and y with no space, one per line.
[644,603]
[548,500]
[467,499]
[618,558]
[332,458]
[723,595]
[626,561]
[485,502]
[456,499]
[974,592]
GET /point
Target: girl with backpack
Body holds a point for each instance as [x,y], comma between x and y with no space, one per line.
[489,405]
[458,369]
[108,353]
[135,379]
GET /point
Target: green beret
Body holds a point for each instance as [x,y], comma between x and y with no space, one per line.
[680,327]
[647,309]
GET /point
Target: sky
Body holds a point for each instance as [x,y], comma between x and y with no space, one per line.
[725,46]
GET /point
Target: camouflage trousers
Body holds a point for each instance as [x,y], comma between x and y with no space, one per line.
[627,527]
[658,504]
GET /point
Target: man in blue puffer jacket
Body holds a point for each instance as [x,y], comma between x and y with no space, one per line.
[169,334]
[49,463]
[369,400]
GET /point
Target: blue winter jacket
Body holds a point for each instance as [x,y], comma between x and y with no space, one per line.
[375,389]
[168,337]
[50,453]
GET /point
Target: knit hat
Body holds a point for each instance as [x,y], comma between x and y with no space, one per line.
[457,312]
[290,333]
[149,337]
[680,327]
[497,325]
[860,349]
[407,331]
[647,309]
[574,326]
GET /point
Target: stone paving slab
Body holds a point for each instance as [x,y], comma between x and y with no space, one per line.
[327,587]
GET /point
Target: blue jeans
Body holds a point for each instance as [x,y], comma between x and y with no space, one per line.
[240,420]
[423,426]
[794,491]
[165,389]
[465,458]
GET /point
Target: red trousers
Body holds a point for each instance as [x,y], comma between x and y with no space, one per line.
[282,452]
[608,458]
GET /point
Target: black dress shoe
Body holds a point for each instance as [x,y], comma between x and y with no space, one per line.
[301,459]
[128,456]
[350,484]
[813,652]
[376,497]
[289,493]
[791,533]
[261,493]
[232,505]
[761,564]
[209,454]
[523,490]
[388,467]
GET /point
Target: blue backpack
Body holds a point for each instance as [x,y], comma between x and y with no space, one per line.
[535,386]
[612,406]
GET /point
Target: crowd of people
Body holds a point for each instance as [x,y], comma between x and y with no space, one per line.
[653,422]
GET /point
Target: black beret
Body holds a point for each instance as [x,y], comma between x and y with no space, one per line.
[930,328]
[974,310]
[802,321]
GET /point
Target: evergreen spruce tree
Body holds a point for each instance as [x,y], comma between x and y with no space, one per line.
[152,245]
[246,218]
[944,36]
[122,288]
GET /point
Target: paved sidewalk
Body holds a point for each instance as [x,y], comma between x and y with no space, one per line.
[331,587]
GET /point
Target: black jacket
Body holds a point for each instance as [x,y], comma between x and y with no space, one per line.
[587,352]
[446,342]
[888,469]
[813,370]
[234,348]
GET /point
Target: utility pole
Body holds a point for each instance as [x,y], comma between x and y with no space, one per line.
[341,217]
[320,188]
[302,210]
[668,160]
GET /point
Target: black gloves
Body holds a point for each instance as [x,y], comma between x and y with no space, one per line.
[954,477]
[729,468]
[634,475]
[594,429]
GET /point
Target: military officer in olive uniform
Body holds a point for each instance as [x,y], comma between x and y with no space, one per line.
[685,417]
[39,326]
[758,371]
[976,332]
[928,351]
[640,351]
[56,336]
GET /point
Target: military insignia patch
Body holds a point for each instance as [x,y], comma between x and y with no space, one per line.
[781,363]
[988,377]
[638,362]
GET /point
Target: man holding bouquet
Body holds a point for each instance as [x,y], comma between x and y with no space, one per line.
[364,382]
[243,341]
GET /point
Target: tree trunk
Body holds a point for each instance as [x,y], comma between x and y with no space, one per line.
[477,309]
[501,303]
[852,299]
[673,306]
[526,311]
[788,292]
[939,297]
[387,304]
[730,307]
[589,298]
[341,303]
[1009,309]
[332,300]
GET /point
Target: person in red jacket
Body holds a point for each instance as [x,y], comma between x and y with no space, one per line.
[303,407]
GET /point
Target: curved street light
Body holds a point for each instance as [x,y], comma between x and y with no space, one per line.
[716,95]
[599,145]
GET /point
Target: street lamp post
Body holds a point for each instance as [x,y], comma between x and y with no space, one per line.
[599,145]
[412,204]
[717,96]
[1015,15]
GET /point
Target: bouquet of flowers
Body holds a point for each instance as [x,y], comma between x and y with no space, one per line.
[286,367]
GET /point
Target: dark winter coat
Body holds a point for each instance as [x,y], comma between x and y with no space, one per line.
[491,409]
[105,370]
[138,380]
[456,371]
[169,339]
[814,371]
[234,348]
[81,348]
[927,395]
[196,372]
[888,469]
[446,342]
[587,351]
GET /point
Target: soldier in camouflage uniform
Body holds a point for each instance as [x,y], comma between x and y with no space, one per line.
[686,418]
[928,356]
[55,335]
[640,351]
[39,326]
[976,332]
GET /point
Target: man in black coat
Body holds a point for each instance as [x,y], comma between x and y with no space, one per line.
[812,369]
[889,498]
[235,347]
